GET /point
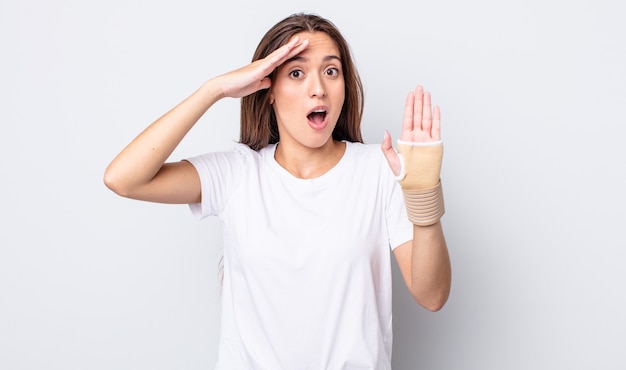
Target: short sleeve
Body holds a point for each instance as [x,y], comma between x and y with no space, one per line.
[217,179]
[398,224]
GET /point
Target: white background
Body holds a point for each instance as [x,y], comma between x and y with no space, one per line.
[533,97]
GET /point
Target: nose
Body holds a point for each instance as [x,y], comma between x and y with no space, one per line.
[316,87]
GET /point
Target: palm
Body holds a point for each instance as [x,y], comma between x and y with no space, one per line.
[253,77]
[420,124]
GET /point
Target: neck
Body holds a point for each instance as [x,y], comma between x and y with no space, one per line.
[309,163]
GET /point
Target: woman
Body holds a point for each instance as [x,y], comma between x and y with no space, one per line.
[310,214]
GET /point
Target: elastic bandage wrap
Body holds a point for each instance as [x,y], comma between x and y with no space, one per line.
[420,181]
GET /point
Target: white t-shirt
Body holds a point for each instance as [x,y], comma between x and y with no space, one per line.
[307,273]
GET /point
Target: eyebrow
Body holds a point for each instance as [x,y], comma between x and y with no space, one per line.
[299,58]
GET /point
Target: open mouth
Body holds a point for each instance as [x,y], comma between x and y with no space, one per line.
[317,116]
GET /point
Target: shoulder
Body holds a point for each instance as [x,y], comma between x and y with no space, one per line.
[240,154]
[369,153]
[369,159]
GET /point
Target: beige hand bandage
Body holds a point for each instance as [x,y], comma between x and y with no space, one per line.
[420,181]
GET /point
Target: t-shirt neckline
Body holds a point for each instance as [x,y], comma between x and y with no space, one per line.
[326,178]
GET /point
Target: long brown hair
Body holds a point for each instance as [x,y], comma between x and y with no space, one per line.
[258,121]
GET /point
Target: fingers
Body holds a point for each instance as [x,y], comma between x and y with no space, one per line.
[435,131]
[254,77]
[419,108]
[427,117]
[408,118]
[292,48]
[390,154]
[421,122]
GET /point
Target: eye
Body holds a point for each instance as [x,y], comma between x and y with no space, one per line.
[296,73]
[332,72]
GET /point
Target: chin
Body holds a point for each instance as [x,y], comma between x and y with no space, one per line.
[319,141]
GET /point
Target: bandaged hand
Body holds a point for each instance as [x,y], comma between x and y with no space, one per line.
[418,165]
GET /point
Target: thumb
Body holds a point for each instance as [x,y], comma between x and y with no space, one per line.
[265,83]
[390,154]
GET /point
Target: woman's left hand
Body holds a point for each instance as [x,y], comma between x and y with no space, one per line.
[420,124]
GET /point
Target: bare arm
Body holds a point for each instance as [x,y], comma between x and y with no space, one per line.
[425,266]
[140,171]
[424,262]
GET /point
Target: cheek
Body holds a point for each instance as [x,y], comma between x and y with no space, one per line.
[340,91]
[284,108]
[341,97]
[283,95]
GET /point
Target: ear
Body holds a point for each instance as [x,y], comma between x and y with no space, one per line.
[271,98]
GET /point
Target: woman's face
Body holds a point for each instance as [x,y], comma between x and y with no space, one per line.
[307,93]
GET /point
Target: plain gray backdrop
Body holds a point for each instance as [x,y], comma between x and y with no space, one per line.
[533,100]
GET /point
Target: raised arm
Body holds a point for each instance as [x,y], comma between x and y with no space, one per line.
[139,171]
[423,262]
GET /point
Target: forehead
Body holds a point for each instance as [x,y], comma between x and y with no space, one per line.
[319,42]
